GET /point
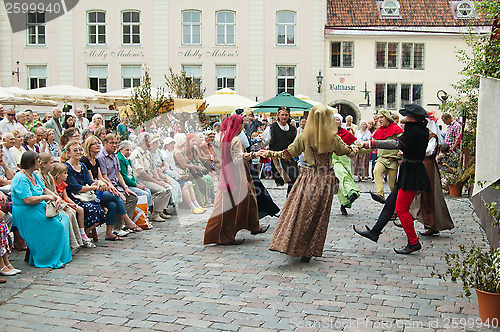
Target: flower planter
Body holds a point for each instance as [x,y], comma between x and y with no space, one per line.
[489,307]
[455,190]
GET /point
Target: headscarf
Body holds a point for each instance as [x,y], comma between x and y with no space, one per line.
[432,125]
[230,128]
[320,129]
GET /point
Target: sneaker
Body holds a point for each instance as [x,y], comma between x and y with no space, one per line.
[120,233]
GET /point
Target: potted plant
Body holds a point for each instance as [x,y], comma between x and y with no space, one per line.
[479,269]
[452,173]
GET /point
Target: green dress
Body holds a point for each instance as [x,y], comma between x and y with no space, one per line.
[347,187]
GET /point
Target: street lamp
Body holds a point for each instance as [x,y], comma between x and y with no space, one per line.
[16,72]
[319,78]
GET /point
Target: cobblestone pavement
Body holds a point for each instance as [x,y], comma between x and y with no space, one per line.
[166,279]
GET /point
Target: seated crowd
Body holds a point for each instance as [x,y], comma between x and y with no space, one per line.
[92,176]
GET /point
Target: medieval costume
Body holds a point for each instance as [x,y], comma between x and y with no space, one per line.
[387,159]
[430,207]
[284,171]
[303,223]
[235,205]
[348,191]
[412,177]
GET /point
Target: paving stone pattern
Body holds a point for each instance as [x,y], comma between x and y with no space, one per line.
[165,279]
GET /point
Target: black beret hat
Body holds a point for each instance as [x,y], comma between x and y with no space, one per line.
[414,110]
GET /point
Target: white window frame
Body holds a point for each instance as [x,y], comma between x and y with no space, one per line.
[389,8]
[37,77]
[465,9]
[196,78]
[191,26]
[99,78]
[343,45]
[225,26]
[133,78]
[286,78]
[225,79]
[412,56]
[287,26]
[40,30]
[97,26]
[411,96]
[386,95]
[386,55]
[130,27]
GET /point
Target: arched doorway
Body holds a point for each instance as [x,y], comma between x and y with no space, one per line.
[346,108]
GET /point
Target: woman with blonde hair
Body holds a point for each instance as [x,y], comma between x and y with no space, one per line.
[303,223]
[97,122]
[52,145]
[77,234]
[17,150]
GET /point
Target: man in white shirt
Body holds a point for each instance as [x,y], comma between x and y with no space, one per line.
[8,123]
[55,123]
[81,123]
[8,141]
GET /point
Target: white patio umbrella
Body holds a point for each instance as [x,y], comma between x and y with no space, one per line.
[225,101]
[62,93]
[122,96]
[8,98]
[307,99]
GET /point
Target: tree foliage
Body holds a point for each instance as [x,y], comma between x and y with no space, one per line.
[183,86]
[483,59]
[145,106]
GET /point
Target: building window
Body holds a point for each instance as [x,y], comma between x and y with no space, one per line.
[465,9]
[98,78]
[411,94]
[225,22]
[412,56]
[389,8]
[342,55]
[191,27]
[387,55]
[286,79]
[96,25]
[285,28]
[385,96]
[131,76]
[37,77]
[226,77]
[193,72]
[36,28]
[131,28]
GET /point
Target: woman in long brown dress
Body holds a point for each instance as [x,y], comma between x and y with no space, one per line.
[303,223]
[430,207]
[235,205]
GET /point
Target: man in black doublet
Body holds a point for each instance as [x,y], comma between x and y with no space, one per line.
[282,135]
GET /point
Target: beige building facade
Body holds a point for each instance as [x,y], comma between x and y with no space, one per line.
[256,47]
[372,54]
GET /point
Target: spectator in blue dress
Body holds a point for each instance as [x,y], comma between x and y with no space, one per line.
[47,238]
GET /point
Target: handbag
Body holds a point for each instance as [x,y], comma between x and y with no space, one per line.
[50,209]
[87,196]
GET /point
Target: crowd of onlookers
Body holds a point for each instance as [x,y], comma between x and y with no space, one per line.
[95,175]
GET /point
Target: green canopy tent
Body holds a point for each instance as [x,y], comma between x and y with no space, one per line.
[283,99]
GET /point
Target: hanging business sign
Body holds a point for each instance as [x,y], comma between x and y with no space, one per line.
[340,85]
